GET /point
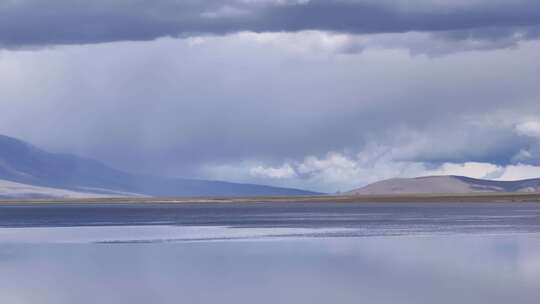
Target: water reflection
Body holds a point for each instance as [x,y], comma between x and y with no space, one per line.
[437,269]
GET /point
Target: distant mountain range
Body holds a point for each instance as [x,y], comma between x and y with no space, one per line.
[445,184]
[28,171]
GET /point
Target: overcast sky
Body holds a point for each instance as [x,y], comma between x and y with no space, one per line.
[322,95]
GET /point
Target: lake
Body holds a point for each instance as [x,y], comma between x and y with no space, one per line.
[270,253]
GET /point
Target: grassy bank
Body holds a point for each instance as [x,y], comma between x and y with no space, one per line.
[427,198]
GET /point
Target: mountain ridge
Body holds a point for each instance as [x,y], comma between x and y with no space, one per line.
[447,184]
[26,164]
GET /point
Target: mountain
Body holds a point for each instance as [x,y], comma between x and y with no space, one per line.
[26,166]
[12,190]
[446,184]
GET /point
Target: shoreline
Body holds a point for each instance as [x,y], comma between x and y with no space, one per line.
[404,198]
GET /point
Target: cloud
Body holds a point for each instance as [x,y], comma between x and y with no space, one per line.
[520,171]
[29,23]
[332,172]
[432,44]
[338,172]
[285,171]
[470,169]
[529,128]
[219,106]
[529,154]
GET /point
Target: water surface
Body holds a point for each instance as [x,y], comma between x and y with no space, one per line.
[270,253]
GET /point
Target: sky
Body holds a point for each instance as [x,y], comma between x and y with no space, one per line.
[325,95]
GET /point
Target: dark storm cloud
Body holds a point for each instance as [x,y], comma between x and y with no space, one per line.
[25,23]
[184,107]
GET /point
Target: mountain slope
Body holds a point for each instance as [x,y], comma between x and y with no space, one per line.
[13,190]
[445,184]
[26,164]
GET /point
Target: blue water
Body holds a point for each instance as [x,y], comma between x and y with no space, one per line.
[270,253]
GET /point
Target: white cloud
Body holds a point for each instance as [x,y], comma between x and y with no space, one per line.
[522,156]
[341,172]
[529,128]
[520,171]
[470,169]
[305,43]
[285,171]
[330,173]
[416,43]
